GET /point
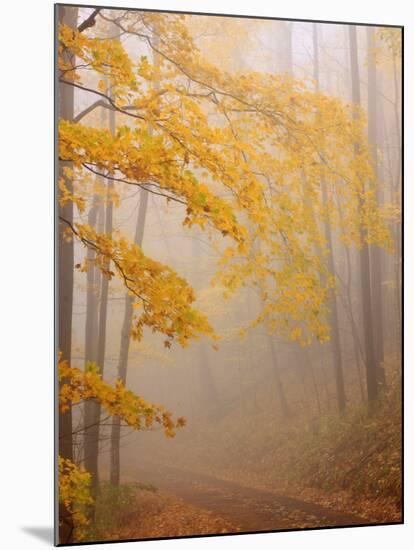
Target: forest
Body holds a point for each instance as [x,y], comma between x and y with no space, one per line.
[228,274]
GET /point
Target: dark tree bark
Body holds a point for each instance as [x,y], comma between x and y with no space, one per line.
[65,253]
[364,260]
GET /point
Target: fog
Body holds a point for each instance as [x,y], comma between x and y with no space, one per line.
[261,409]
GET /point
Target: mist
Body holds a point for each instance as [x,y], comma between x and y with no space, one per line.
[292,401]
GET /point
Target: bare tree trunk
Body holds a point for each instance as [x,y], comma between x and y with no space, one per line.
[115,471]
[287,57]
[208,390]
[251,358]
[364,260]
[283,58]
[325,382]
[67,16]
[92,309]
[376,273]
[208,385]
[90,324]
[240,384]
[284,407]
[336,341]
[315,384]
[346,299]
[92,448]
[288,51]
[91,295]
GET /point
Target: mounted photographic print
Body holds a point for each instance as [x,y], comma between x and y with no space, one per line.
[228,274]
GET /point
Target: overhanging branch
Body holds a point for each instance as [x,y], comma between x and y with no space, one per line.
[89,21]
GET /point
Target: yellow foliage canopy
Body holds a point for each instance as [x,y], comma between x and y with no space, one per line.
[245,154]
[164,299]
[77,386]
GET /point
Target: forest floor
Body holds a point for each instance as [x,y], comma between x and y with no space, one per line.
[245,508]
[347,472]
[188,504]
[162,514]
[349,464]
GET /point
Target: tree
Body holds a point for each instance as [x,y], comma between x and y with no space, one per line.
[253,175]
[390,43]
[299,130]
[336,341]
[281,396]
[124,349]
[78,386]
[375,252]
[67,16]
[365,266]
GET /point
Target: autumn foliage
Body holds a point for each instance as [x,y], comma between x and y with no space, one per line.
[259,162]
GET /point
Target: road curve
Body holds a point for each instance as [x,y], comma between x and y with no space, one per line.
[247,508]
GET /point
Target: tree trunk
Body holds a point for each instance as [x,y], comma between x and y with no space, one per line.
[92,449]
[65,253]
[91,296]
[252,364]
[91,324]
[115,467]
[364,260]
[115,456]
[376,263]
[284,407]
[283,56]
[93,290]
[208,391]
[347,304]
[288,52]
[336,341]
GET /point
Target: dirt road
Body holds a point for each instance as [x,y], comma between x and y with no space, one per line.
[248,508]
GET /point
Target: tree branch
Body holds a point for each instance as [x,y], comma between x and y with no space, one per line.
[94,246]
[89,21]
[92,107]
[102,103]
[105,96]
[128,182]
